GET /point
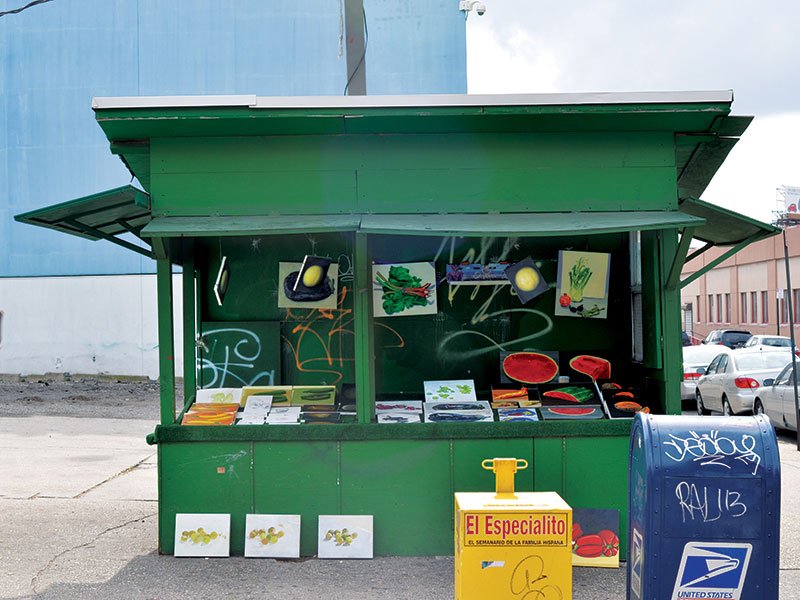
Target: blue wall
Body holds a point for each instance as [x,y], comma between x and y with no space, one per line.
[56,56]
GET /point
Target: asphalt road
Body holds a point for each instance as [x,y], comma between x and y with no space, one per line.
[78,506]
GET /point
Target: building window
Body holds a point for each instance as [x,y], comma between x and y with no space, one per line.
[697,305]
[743,307]
[795,298]
[764,307]
[719,308]
[783,311]
[754,307]
[710,308]
[727,308]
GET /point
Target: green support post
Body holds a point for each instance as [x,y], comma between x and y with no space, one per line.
[365,343]
[671,324]
[166,341]
[189,320]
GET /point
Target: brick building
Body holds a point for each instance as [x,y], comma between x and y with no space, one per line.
[746,291]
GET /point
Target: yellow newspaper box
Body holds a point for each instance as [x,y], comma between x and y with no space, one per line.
[512,546]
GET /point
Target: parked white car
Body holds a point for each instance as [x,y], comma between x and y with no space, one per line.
[768,341]
[695,361]
[777,400]
[732,378]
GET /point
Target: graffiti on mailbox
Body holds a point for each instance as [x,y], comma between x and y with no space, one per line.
[713,449]
[707,503]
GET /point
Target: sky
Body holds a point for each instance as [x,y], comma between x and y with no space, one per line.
[751,47]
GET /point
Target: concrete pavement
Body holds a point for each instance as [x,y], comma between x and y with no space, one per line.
[78,499]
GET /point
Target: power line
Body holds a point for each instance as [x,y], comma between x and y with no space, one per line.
[21,8]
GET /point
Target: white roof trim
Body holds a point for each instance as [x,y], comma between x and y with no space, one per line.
[441,100]
[172,101]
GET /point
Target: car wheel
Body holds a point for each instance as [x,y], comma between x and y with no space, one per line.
[758,408]
[726,408]
[701,409]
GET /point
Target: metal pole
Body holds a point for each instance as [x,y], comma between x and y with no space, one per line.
[788,302]
[355,48]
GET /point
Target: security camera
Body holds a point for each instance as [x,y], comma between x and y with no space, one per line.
[468,5]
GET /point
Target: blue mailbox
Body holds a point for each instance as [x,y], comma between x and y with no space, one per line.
[704,508]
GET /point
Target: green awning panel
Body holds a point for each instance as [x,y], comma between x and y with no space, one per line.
[105,215]
[527,224]
[173,227]
[724,227]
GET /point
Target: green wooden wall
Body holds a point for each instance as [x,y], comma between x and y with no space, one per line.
[407,485]
[467,172]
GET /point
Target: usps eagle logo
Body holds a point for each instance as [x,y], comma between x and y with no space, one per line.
[712,570]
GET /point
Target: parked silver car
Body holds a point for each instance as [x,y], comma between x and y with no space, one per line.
[777,400]
[695,362]
[732,378]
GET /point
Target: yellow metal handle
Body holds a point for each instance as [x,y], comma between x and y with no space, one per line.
[504,471]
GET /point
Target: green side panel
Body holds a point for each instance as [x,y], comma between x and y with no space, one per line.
[300,478]
[573,188]
[407,486]
[240,353]
[596,476]
[307,192]
[204,478]
[469,476]
[414,173]
[548,466]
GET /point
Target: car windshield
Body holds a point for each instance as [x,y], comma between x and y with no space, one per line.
[776,342]
[733,338]
[762,360]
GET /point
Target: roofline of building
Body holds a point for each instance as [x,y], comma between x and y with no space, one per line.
[428,100]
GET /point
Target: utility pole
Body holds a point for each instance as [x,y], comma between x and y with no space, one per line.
[355,48]
[788,303]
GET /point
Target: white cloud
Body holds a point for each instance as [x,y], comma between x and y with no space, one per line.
[521,46]
[518,64]
[766,157]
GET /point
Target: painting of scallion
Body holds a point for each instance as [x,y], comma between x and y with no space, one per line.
[582,287]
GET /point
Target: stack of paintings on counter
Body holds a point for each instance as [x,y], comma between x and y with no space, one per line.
[454,401]
[269,405]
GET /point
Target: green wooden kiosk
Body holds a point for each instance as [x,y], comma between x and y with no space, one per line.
[442,179]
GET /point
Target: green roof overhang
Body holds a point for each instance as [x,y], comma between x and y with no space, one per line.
[705,132]
[452,224]
[223,226]
[527,224]
[722,227]
[105,215]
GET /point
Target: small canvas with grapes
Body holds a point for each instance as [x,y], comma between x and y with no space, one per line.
[202,534]
[272,536]
[345,536]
